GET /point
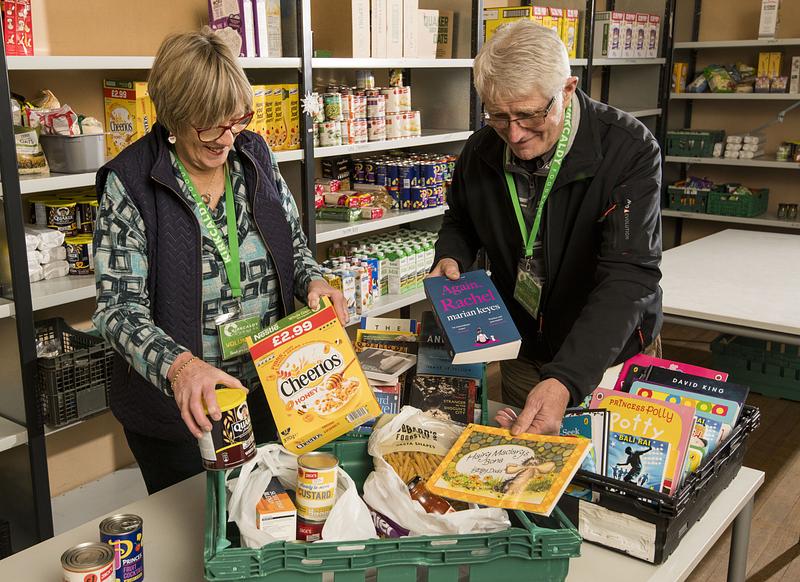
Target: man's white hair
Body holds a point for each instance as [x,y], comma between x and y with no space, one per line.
[521,58]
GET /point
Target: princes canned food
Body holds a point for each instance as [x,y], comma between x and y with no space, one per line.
[230,442]
[314,385]
[88,562]
[79,254]
[123,532]
[316,485]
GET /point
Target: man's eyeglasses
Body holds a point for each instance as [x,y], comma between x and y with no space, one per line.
[532,121]
[209,134]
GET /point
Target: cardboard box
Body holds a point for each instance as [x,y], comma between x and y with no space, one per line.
[679,72]
[541,15]
[494,19]
[342,27]
[275,512]
[554,20]
[763,64]
[228,16]
[410,32]
[268,36]
[570,31]
[427,33]
[24,28]
[653,35]
[378,29]
[394,29]
[10,28]
[768,23]
[444,42]
[775,64]
[608,34]
[628,32]
[794,76]
[640,34]
[124,114]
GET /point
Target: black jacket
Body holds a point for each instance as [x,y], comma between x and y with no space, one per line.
[601,301]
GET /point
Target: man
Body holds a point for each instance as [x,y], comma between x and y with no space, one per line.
[563,194]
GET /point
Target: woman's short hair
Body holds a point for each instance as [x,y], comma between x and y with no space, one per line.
[521,58]
[196,80]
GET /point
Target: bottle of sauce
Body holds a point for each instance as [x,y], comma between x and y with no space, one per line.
[429,502]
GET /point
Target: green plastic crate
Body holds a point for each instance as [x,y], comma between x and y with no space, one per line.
[722,203]
[527,551]
[693,143]
[687,199]
[769,368]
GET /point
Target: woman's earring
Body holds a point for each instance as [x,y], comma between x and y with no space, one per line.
[172,139]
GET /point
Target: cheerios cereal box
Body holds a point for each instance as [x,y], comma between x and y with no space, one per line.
[314,385]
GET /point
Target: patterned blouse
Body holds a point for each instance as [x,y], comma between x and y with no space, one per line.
[121,267]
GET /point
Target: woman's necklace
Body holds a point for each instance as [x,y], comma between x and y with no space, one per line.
[207,196]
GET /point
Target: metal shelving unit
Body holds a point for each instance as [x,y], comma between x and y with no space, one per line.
[737,96]
[754,163]
[328,230]
[771,222]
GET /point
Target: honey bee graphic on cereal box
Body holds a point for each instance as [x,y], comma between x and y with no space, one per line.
[313,382]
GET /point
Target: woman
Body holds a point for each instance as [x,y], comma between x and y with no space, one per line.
[196,229]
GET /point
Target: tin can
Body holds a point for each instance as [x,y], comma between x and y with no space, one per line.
[380,172]
[315,129]
[123,532]
[358,171]
[79,254]
[784,152]
[414,123]
[309,531]
[427,173]
[393,97]
[360,131]
[330,134]
[359,108]
[376,128]
[347,106]
[405,98]
[38,210]
[409,175]
[396,77]
[348,132]
[369,171]
[394,126]
[395,194]
[230,442]
[87,215]
[376,106]
[416,197]
[438,195]
[316,485]
[404,198]
[365,80]
[392,175]
[62,216]
[333,106]
[91,561]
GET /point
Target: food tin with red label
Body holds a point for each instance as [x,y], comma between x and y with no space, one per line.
[309,531]
[88,562]
[230,442]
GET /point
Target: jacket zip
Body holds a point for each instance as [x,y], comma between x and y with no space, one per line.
[266,243]
[199,261]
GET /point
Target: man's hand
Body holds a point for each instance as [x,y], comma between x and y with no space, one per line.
[543,411]
[197,384]
[318,288]
[446,268]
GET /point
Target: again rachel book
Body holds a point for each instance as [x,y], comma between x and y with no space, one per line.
[648,439]
[476,324]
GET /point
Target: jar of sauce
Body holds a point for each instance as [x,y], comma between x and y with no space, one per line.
[429,502]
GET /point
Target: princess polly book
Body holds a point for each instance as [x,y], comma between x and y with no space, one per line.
[476,324]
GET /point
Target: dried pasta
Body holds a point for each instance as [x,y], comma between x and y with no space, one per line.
[411,464]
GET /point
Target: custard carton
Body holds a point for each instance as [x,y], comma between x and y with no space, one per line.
[313,382]
[259,121]
[291,111]
[125,104]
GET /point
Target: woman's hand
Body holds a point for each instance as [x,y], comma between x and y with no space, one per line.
[196,384]
[320,288]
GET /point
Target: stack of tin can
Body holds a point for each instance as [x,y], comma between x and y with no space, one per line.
[415,181]
[353,115]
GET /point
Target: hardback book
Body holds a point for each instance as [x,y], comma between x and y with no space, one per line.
[713,422]
[385,365]
[637,367]
[592,425]
[489,466]
[444,397]
[476,324]
[701,385]
[648,439]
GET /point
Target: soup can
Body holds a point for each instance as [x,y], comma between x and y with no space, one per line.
[393,97]
[79,254]
[394,125]
[360,131]
[316,485]
[332,103]
[414,124]
[405,98]
[376,128]
[123,532]
[376,106]
[309,531]
[230,442]
[330,134]
[90,561]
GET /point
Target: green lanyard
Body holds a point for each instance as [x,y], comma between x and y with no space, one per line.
[229,251]
[555,167]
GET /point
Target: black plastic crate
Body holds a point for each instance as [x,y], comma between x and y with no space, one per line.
[669,516]
[73,385]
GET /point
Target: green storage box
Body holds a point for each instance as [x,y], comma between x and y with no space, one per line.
[526,551]
[687,199]
[725,204]
[693,143]
[769,368]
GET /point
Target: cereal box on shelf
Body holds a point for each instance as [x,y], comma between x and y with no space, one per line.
[127,112]
[314,385]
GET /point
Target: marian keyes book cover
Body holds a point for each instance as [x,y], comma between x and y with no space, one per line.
[476,324]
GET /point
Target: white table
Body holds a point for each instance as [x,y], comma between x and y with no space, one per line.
[736,281]
[174,522]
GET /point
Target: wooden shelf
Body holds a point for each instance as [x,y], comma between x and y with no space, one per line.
[605,62]
[388,303]
[739,96]
[754,163]
[329,230]
[762,42]
[770,221]
[84,63]
[429,137]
